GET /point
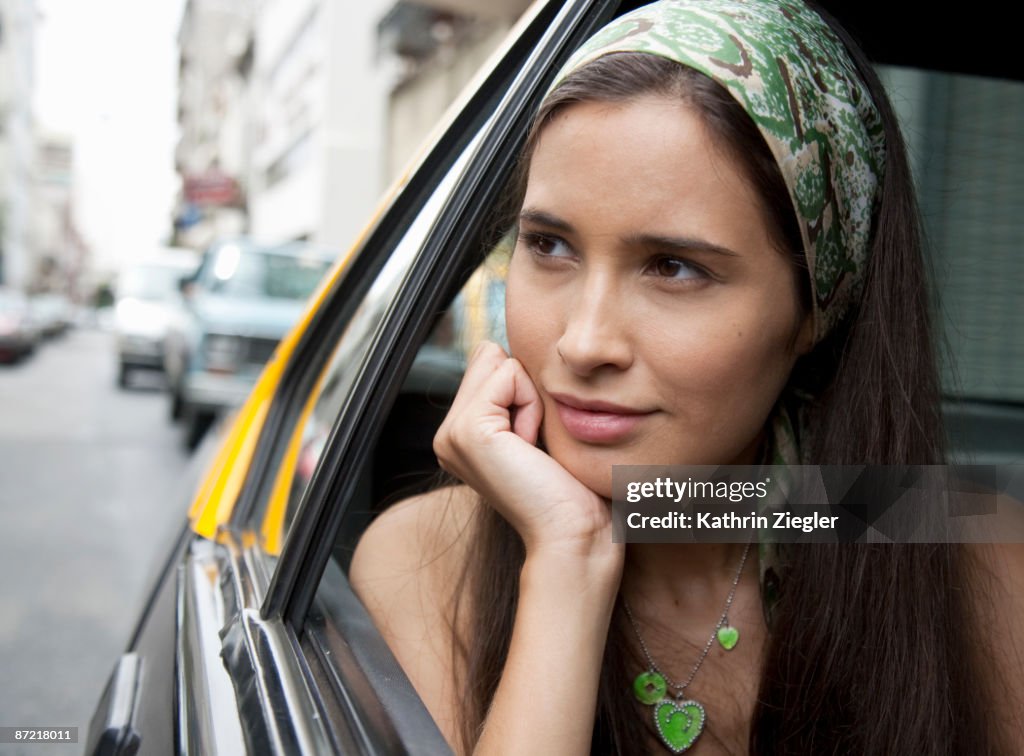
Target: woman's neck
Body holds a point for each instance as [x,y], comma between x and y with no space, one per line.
[693,577]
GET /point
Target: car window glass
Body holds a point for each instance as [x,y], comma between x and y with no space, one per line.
[967,152]
[274,518]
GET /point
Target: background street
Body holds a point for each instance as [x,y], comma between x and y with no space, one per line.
[92,485]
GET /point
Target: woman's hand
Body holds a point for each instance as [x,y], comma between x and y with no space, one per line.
[488,441]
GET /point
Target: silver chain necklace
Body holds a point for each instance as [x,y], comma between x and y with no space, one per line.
[680,722]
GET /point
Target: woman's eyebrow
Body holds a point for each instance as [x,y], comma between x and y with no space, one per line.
[678,244]
[541,218]
[660,242]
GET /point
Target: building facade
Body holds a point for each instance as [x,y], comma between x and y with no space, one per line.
[213,152]
[296,115]
[17,48]
[58,253]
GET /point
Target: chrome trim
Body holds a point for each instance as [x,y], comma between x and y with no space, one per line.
[208,721]
[241,685]
[115,725]
[260,569]
[275,701]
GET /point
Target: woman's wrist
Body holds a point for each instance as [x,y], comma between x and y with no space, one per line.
[575,568]
[552,672]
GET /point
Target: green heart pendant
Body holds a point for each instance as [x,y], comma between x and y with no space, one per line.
[679,723]
[728,636]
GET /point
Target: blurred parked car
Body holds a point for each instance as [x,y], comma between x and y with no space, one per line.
[252,640]
[242,300]
[147,296]
[19,332]
[52,313]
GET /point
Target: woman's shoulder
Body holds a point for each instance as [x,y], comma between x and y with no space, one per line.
[428,526]
[405,570]
[419,536]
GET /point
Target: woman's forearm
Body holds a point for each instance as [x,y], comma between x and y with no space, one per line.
[546,700]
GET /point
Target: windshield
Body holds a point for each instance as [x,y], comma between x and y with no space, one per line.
[252,273]
[152,282]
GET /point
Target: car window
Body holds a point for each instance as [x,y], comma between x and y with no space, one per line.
[967,150]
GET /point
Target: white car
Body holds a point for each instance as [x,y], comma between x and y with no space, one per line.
[148,293]
[19,332]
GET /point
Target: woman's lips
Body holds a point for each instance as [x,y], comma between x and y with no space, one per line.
[597,422]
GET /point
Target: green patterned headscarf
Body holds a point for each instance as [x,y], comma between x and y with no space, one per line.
[795,80]
[791,74]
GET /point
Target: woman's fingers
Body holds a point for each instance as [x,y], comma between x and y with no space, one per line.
[503,394]
[481,410]
[485,359]
[529,411]
[496,409]
[488,441]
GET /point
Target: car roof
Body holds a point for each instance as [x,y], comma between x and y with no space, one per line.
[925,38]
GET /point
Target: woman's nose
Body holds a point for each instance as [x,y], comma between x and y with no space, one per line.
[596,331]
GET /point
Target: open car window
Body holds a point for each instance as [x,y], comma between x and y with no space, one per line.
[403,462]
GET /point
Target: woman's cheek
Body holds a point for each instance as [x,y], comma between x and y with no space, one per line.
[527,329]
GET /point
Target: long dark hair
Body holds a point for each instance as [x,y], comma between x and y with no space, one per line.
[872,647]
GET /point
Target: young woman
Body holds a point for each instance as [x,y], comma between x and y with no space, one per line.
[718,261]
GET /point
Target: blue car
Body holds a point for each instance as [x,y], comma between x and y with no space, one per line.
[243,298]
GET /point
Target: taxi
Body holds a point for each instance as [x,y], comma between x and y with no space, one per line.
[252,640]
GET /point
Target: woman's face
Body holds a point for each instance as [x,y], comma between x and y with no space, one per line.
[645,297]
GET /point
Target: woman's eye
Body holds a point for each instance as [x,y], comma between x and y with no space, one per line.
[544,245]
[673,267]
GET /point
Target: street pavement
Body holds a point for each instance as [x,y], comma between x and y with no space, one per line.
[93,480]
